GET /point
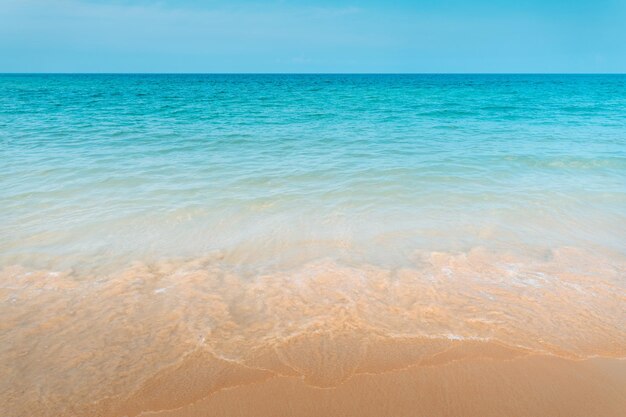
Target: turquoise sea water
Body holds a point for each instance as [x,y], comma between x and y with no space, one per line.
[273,170]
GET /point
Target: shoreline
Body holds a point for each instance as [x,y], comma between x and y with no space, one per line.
[541,385]
[529,384]
[196,334]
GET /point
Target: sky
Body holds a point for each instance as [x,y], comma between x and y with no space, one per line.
[341,36]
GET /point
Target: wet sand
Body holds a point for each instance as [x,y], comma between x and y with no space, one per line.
[528,386]
[464,334]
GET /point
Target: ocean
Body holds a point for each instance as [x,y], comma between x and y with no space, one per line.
[284,225]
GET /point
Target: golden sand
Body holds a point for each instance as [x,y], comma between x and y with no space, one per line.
[529,386]
[474,334]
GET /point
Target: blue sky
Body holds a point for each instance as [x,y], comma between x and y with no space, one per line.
[312,36]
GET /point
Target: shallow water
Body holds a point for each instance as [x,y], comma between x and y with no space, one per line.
[164,238]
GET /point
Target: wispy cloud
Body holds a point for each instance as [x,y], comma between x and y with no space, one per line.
[194,35]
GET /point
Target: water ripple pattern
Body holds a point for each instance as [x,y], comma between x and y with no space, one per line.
[306,245]
[285,168]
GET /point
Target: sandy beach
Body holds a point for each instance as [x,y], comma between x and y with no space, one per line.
[312,245]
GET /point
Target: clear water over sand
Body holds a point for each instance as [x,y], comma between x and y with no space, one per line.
[313,245]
